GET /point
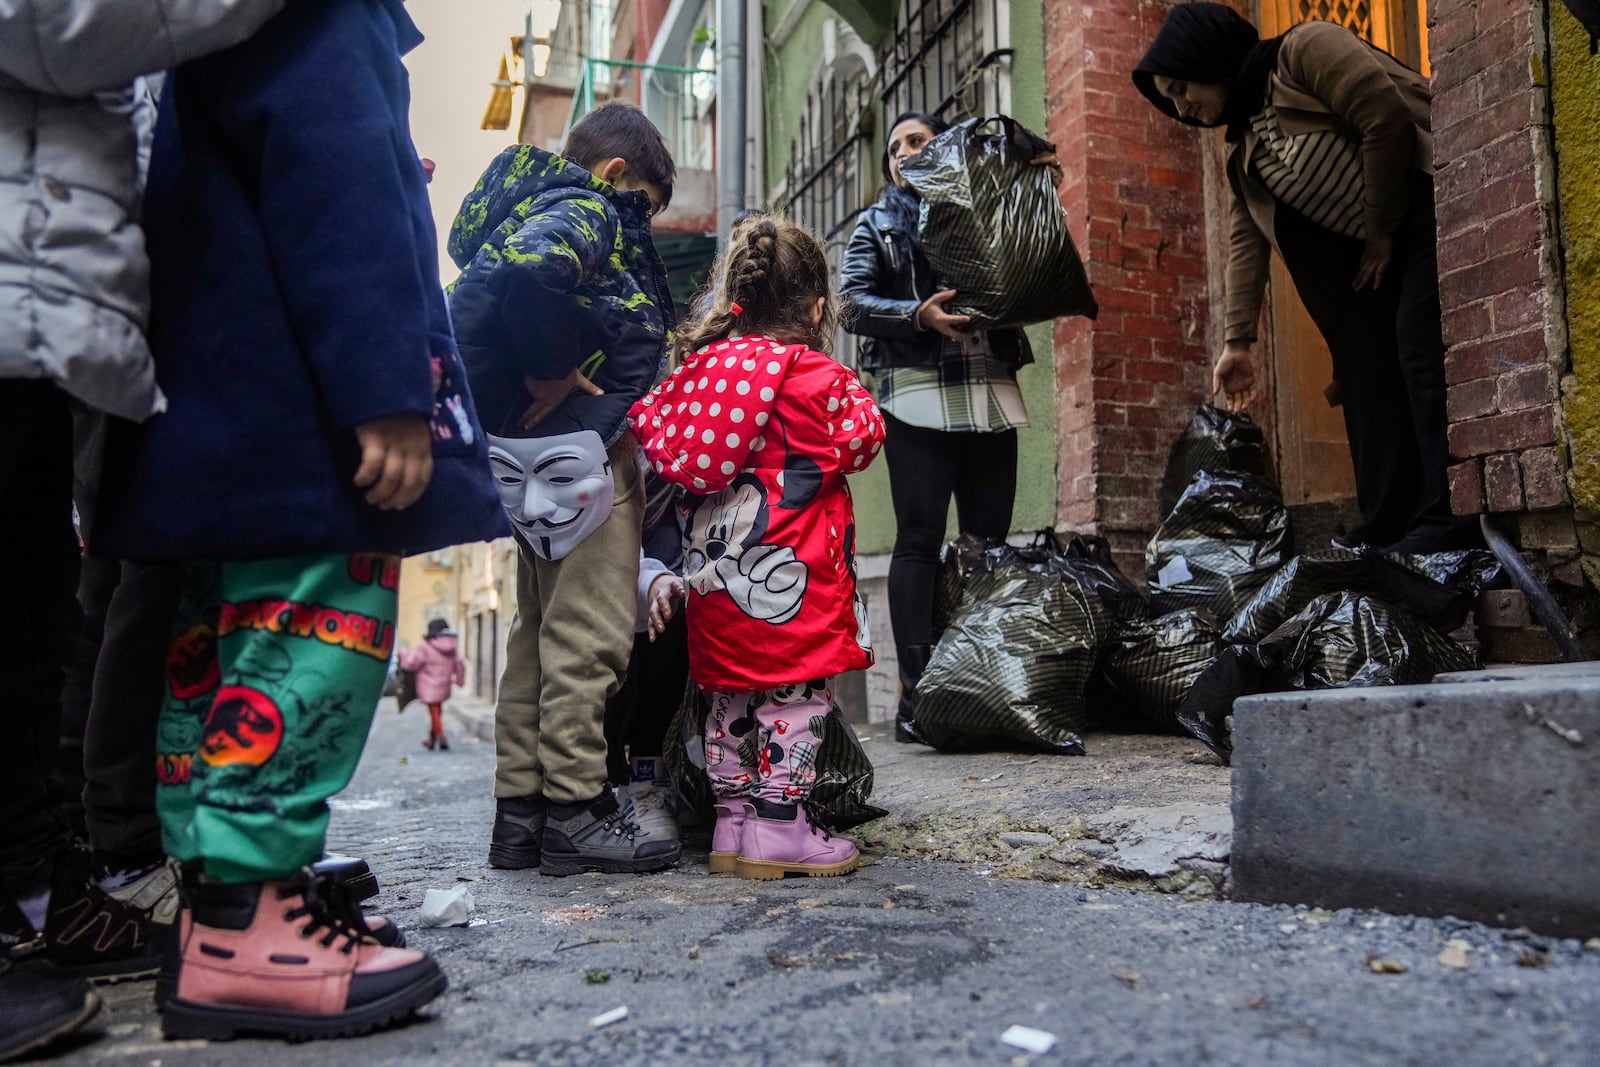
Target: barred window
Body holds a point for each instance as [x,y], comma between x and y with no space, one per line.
[950,58]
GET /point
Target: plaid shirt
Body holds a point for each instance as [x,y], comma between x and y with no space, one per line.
[968,392]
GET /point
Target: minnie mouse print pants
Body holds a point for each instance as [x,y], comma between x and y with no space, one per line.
[766,744]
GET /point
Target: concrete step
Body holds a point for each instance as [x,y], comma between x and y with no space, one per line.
[1476,796]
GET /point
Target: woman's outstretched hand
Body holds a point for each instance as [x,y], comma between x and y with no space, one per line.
[1375,261]
[932,316]
[1235,375]
[1050,160]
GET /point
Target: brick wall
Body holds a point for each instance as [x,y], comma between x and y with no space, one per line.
[1129,381]
[1499,258]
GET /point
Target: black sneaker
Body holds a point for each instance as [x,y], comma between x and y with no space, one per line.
[518,833]
[90,934]
[352,873]
[36,1007]
[602,835]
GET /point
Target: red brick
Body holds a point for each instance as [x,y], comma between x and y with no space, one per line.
[1471,400]
[1518,268]
[1124,392]
[1526,388]
[1462,249]
[1452,103]
[1491,44]
[1518,309]
[1475,358]
[1523,225]
[1466,488]
[1118,299]
[1544,478]
[1464,325]
[1154,370]
[1502,483]
[1515,431]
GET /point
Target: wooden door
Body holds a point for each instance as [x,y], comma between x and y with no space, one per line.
[1313,449]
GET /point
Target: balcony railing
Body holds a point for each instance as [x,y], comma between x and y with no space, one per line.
[679,100]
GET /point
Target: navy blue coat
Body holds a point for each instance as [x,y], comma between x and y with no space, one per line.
[295,296]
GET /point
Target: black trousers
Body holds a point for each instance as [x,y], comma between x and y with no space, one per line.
[36,626]
[1388,358]
[926,468]
[638,715]
[112,703]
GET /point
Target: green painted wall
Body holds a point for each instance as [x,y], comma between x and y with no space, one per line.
[789,72]
[1575,84]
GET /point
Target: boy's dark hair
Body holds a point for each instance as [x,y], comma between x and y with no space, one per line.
[775,272]
[621,130]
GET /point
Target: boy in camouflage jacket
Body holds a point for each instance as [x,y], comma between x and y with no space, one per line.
[563,320]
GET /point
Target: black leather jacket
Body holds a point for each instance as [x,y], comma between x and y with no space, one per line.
[884,280]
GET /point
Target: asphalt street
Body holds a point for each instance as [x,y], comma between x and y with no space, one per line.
[908,961]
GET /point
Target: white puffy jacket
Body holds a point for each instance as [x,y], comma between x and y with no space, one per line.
[75,120]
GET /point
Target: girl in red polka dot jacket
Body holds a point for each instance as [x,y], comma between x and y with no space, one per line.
[761,428]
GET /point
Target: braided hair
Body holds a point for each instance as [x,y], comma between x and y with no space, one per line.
[773,272]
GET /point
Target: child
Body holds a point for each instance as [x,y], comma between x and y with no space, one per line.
[438,666]
[319,427]
[762,428]
[563,318]
[638,715]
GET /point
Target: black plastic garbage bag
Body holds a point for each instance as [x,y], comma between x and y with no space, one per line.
[1085,559]
[1340,640]
[993,227]
[839,797]
[1012,667]
[1438,589]
[1215,440]
[1224,539]
[1150,665]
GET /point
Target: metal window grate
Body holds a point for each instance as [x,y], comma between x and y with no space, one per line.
[1355,14]
[949,58]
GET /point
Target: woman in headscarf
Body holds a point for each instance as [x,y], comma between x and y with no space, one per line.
[949,395]
[1330,159]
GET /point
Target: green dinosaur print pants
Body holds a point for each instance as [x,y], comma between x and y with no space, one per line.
[274,672]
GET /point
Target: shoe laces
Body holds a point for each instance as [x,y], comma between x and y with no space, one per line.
[325,906]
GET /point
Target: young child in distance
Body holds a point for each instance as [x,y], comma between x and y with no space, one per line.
[761,427]
[439,666]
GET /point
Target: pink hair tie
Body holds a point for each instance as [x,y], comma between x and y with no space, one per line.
[736,308]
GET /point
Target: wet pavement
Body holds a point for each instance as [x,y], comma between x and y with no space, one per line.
[914,959]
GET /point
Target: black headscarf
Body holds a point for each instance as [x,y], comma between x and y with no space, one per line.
[1210,43]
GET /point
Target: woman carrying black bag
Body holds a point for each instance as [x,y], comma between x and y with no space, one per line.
[1330,159]
[949,395]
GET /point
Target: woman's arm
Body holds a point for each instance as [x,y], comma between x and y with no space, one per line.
[1249,257]
[875,315]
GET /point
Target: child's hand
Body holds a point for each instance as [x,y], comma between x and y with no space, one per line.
[548,393]
[396,460]
[663,592]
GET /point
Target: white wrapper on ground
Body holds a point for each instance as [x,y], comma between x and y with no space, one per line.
[446,907]
[1029,1039]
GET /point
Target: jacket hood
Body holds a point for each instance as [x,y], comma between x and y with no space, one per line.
[445,644]
[521,172]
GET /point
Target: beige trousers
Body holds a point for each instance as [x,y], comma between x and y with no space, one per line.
[568,651]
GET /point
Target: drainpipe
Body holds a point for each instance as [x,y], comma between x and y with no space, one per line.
[756,108]
[731,104]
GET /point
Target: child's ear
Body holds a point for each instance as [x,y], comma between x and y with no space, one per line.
[818,312]
[613,171]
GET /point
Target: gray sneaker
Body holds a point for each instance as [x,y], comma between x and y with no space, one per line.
[602,835]
[653,809]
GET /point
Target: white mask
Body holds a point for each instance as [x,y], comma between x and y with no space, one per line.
[556,490]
